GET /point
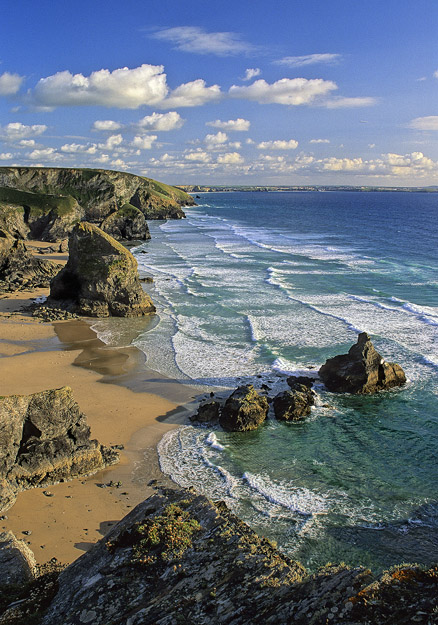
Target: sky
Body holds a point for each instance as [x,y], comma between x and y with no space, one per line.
[286,92]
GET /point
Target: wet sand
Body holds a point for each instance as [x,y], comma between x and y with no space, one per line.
[125,404]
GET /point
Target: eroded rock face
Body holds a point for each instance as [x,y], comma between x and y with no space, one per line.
[100,278]
[127,223]
[244,410]
[19,269]
[17,561]
[208,412]
[295,404]
[44,437]
[361,371]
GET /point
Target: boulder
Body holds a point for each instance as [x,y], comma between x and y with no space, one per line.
[19,269]
[44,438]
[127,223]
[361,371]
[244,410]
[208,412]
[17,561]
[295,404]
[100,278]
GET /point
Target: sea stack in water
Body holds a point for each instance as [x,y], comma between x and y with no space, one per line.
[100,278]
[244,410]
[361,371]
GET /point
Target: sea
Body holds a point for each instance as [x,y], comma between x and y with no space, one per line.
[255,286]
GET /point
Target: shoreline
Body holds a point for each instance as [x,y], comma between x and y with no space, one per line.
[125,404]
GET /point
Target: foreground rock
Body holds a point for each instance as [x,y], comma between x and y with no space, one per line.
[44,438]
[19,269]
[361,371]
[180,558]
[244,410]
[45,202]
[17,561]
[100,278]
[295,404]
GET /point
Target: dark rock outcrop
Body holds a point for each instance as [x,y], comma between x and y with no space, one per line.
[244,410]
[295,404]
[19,269]
[44,438]
[127,223]
[45,202]
[208,412]
[100,278]
[180,558]
[17,561]
[361,371]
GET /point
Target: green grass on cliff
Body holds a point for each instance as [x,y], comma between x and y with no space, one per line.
[38,203]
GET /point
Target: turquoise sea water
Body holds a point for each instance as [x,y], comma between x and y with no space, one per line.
[254,286]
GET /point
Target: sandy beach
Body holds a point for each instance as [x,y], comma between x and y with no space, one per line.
[124,404]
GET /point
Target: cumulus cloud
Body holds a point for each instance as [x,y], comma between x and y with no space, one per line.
[198,156]
[230,158]
[280,144]
[435,74]
[289,91]
[340,102]
[425,123]
[16,131]
[119,164]
[161,122]
[112,142]
[197,40]
[121,88]
[27,143]
[232,125]
[213,141]
[194,93]
[252,73]
[5,156]
[319,141]
[46,154]
[106,125]
[308,59]
[144,143]
[78,148]
[10,83]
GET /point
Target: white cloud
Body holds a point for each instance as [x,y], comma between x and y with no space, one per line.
[232,125]
[371,145]
[308,59]
[197,40]
[278,145]
[121,88]
[16,131]
[198,156]
[293,92]
[230,158]
[340,102]
[425,123]
[343,164]
[5,156]
[47,154]
[161,122]
[119,164]
[103,158]
[251,73]
[213,141]
[27,143]
[10,83]
[319,141]
[106,125]
[435,74]
[112,142]
[194,93]
[78,148]
[144,143]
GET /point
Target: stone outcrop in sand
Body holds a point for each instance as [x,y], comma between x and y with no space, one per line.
[180,558]
[20,269]
[244,410]
[295,404]
[45,202]
[361,371]
[44,438]
[100,278]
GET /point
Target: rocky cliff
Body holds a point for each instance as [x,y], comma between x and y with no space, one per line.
[44,438]
[45,202]
[100,278]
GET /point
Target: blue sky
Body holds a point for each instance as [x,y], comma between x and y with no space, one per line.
[254,92]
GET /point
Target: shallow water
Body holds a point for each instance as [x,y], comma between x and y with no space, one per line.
[253,286]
